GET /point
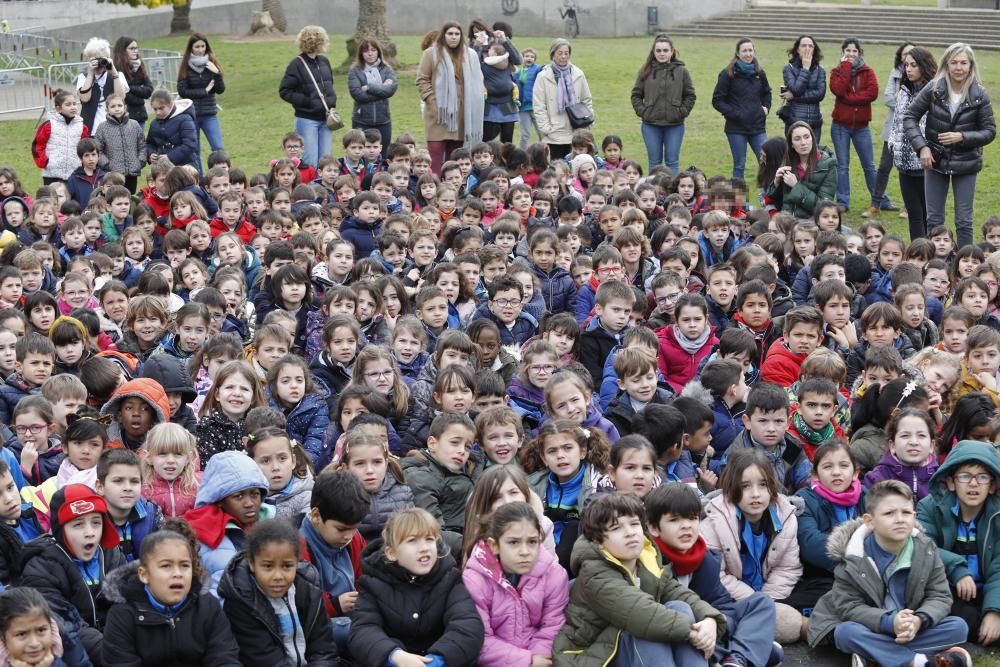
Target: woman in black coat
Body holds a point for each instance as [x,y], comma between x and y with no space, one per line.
[199,79]
[743,97]
[959,123]
[297,88]
[372,82]
[127,61]
[805,85]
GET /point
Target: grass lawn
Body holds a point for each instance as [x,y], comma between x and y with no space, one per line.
[254,118]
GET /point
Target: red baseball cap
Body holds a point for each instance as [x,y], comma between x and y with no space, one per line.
[79,500]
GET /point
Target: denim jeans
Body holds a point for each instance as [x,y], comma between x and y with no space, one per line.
[738,148]
[851,637]
[316,138]
[663,145]
[634,652]
[749,630]
[964,193]
[861,137]
[213,132]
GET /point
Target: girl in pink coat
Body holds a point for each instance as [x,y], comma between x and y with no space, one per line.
[686,342]
[518,587]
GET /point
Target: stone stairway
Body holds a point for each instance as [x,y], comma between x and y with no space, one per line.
[831,23]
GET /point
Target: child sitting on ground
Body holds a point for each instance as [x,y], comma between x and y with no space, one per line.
[803,334]
[910,458]
[811,420]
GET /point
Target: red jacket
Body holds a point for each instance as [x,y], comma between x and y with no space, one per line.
[160,205]
[356,546]
[244,228]
[855,94]
[677,365]
[781,366]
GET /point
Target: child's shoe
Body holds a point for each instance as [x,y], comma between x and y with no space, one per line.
[732,661]
[953,657]
[858,661]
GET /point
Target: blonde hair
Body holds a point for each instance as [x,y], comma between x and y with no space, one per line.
[312,39]
[409,522]
[949,53]
[936,357]
[169,438]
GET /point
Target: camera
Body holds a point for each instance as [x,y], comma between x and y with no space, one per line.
[104,63]
[783,89]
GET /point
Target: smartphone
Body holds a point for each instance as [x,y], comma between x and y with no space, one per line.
[783,89]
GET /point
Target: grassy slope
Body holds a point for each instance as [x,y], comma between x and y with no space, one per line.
[254,118]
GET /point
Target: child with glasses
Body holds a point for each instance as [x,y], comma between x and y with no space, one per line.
[607,264]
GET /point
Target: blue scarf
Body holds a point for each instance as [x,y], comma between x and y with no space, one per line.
[750,69]
[334,565]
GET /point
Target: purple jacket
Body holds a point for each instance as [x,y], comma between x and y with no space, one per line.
[522,621]
[917,478]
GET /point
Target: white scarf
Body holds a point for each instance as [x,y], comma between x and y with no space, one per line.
[372,73]
[691,346]
[197,63]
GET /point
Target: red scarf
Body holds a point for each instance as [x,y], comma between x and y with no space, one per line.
[739,318]
[683,563]
[209,524]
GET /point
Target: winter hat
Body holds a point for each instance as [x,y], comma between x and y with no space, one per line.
[580,160]
[144,388]
[556,43]
[172,375]
[228,473]
[76,500]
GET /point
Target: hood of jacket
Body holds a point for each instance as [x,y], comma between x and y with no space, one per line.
[3,212]
[145,388]
[171,374]
[966,451]
[848,539]
[228,473]
[182,105]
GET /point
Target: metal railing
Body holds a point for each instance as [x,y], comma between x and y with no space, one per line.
[23,89]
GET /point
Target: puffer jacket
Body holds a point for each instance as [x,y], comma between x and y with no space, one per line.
[439,490]
[218,433]
[677,365]
[802,199]
[809,88]
[293,502]
[520,621]
[868,446]
[139,90]
[554,126]
[781,366]
[197,633]
[123,146]
[859,590]
[389,497]
[666,96]
[557,288]
[307,422]
[889,96]
[855,92]
[171,497]
[431,614]
[54,147]
[607,600]
[12,391]
[974,120]
[194,87]
[147,389]
[175,136]
[781,568]
[938,518]
[371,107]
[257,627]
[903,156]
[918,478]
[815,523]
[298,89]
[741,99]
[361,235]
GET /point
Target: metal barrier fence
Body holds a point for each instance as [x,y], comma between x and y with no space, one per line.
[23,90]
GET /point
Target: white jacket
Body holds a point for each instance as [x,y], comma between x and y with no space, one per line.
[553,126]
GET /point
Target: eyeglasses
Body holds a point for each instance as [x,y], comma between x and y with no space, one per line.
[215,317]
[982,478]
[669,298]
[506,303]
[609,270]
[33,429]
[378,375]
[542,368]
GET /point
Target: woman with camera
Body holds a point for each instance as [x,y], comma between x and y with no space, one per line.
[101,80]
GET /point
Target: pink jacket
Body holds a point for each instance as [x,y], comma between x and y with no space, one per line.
[782,566]
[678,366]
[170,496]
[520,622]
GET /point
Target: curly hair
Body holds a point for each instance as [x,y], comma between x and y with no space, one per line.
[312,39]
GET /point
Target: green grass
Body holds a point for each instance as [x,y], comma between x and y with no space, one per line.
[254,118]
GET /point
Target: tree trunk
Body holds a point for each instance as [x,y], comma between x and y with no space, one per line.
[277,11]
[181,21]
[371,23]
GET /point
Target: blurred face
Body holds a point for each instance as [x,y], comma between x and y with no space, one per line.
[836,471]
[42,317]
[70,353]
[455,399]
[973,484]
[10,290]
[36,368]
[406,346]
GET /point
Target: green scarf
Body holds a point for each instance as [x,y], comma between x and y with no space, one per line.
[811,435]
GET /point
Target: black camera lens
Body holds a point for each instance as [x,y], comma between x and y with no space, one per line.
[103,63]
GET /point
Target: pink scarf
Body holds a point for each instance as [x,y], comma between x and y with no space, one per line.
[847,498]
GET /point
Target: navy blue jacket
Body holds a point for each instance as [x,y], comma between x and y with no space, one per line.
[809,88]
[371,107]
[80,186]
[146,518]
[525,326]
[361,235]
[175,136]
[557,287]
[815,524]
[740,99]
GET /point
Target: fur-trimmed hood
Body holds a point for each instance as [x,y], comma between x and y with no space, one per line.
[848,539]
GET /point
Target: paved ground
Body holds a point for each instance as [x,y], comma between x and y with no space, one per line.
[800,654]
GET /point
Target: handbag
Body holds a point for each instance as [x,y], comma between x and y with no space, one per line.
[579,115]
[333,119]
[785,113]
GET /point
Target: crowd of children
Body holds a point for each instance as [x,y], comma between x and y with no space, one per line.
[363,410]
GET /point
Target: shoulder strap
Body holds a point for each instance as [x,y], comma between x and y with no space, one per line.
[322,98]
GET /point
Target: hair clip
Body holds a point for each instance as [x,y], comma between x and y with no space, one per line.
[586,433]
[105,421]
[907,390]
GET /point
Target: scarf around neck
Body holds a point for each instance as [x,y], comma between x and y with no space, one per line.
[198,63]
[372,73]
[809,434]
[746,68]
[335,568]
[683,563]
[446,94]
[565,95]
[848,498]
[688,345]
[856,66]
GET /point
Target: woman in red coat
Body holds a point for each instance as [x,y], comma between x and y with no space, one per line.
[855,86]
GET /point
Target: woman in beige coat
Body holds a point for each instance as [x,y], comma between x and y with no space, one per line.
[450,83]
[558,86]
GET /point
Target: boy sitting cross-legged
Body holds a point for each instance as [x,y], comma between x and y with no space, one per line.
[890,599]
[625,607]
[959,515]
